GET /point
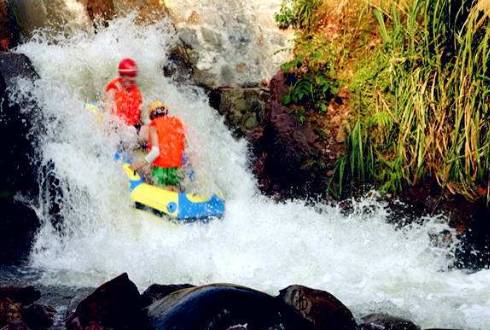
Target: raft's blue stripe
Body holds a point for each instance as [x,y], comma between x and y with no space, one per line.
[214,207]
[134,183]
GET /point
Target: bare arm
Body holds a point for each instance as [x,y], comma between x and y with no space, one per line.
[154,152]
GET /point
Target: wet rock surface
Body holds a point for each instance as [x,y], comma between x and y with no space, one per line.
[288,157]
[23,295]
[18,310]
[386,322]
[244,108]
[220,306]
[321,308]
[18,226]
[157,291]
[19,222]
[116,304]
[38,316]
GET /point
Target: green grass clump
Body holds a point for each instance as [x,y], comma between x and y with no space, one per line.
[423,101]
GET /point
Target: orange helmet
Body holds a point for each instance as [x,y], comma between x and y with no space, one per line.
[157,108]
[128,67]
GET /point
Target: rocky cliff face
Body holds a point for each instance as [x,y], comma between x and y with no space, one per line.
[232,42]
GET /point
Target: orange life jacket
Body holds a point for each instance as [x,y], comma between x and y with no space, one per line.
[171,141]
[127,101]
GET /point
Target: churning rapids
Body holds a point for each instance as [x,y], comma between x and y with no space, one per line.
[359,258]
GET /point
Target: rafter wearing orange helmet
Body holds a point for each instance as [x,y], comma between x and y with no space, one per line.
[166,144]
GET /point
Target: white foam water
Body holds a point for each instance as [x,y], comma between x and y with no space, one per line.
[360,258]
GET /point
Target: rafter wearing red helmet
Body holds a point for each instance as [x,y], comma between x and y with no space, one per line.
[123,96]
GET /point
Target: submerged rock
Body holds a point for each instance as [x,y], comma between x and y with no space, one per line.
[115,304]
[379,321]
[223,306]
[324,310]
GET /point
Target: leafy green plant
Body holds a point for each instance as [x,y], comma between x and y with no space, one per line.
[285,17]
[311,73]
[314,90]
[299,14]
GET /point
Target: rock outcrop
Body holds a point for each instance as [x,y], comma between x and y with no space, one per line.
[244,108]
[291,157]
[230,42]
[19,222]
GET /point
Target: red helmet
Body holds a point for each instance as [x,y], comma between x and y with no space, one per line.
[127,67]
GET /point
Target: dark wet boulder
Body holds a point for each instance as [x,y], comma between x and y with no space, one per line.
[38,316]
[221,307]
[18,222]
[158,291]
[24,295]
[16,127]
[115,304]
[379,321]
[18,226]
[324,310]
